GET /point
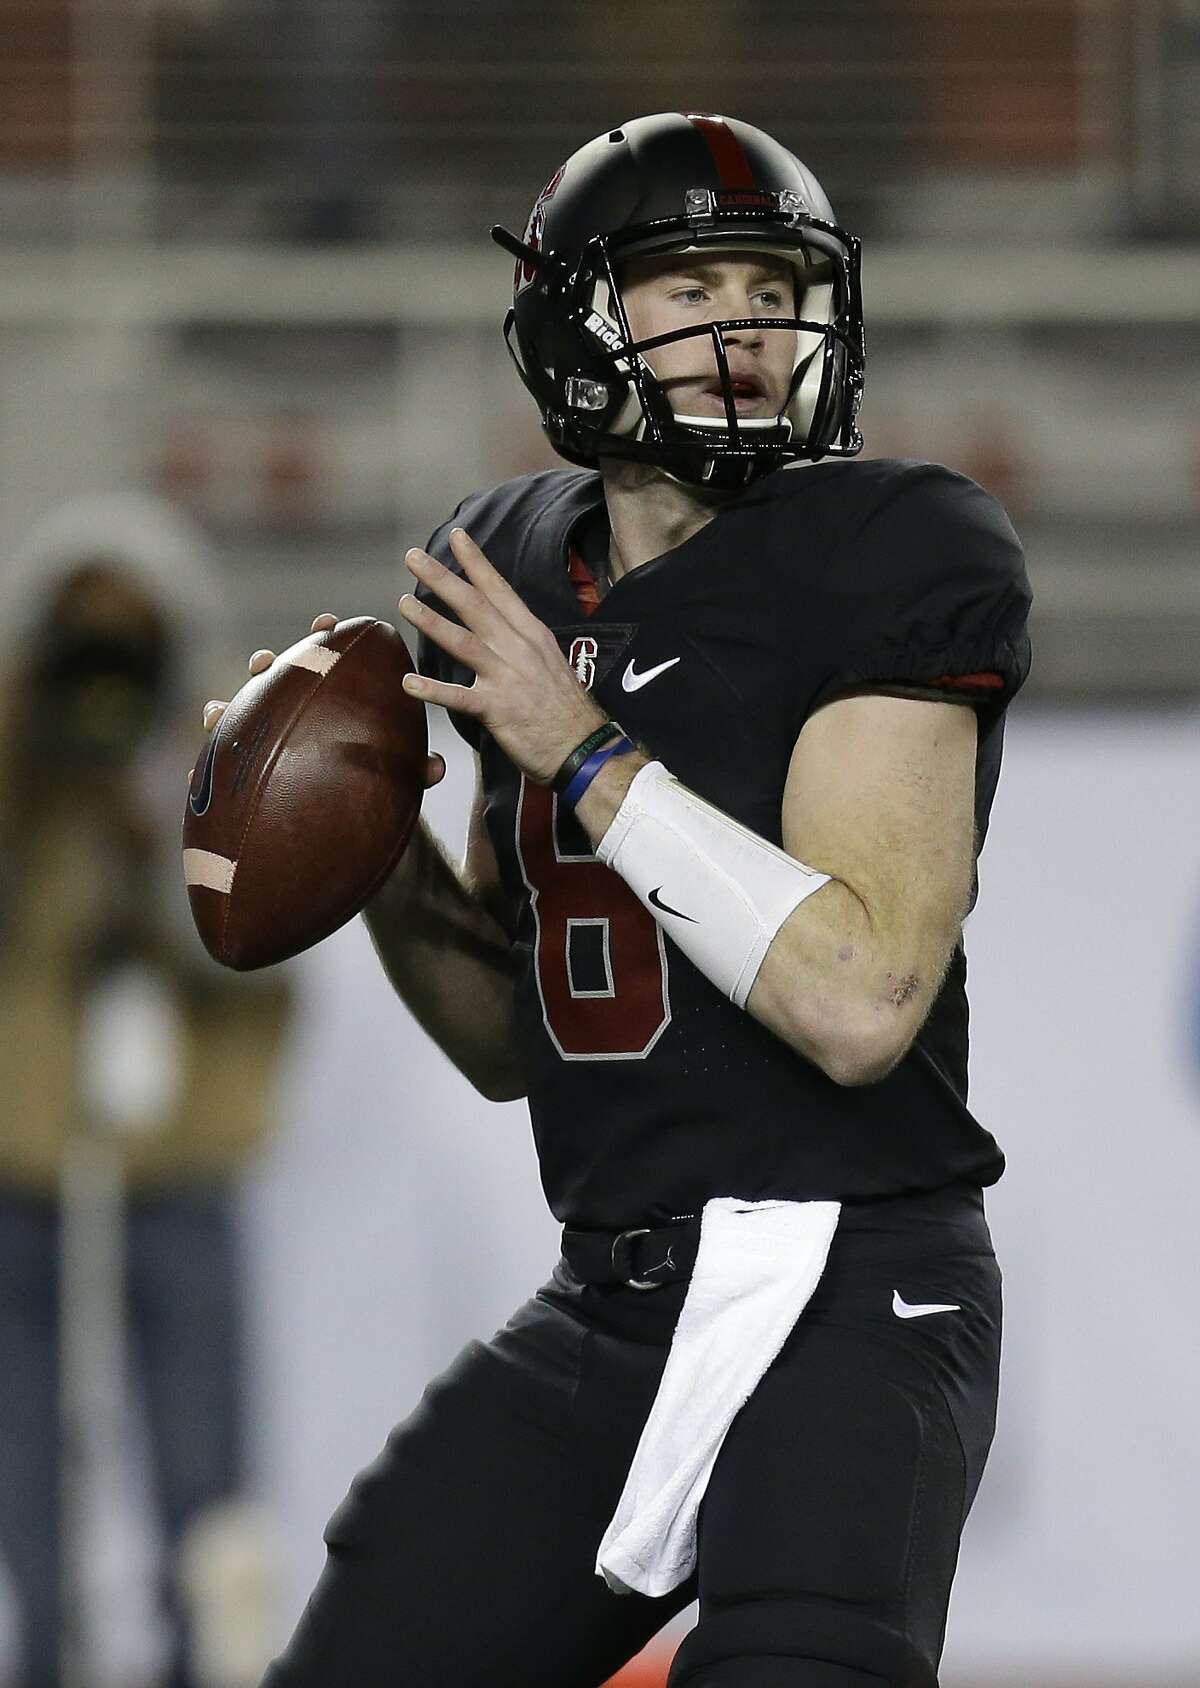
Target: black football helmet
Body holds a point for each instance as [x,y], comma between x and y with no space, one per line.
[682,182]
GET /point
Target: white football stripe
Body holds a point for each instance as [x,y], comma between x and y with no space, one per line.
[307,654]
[202,867]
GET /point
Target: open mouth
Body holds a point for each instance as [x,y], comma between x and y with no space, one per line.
[749,393]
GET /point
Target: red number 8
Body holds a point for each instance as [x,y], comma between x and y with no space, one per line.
[625,1020]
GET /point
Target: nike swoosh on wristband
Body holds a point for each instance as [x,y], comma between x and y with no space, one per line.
[631,681]
[656,901]
[917,1310]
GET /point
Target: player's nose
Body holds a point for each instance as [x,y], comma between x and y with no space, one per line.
[741,309]
[743,339]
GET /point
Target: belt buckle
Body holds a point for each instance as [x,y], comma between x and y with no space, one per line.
[628,1236]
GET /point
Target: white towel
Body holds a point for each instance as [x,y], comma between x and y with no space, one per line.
[757,1265]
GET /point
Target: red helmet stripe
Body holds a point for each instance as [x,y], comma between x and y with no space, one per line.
[733,167]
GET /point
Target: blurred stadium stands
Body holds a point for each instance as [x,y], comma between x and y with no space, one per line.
[382,119]
[267,223]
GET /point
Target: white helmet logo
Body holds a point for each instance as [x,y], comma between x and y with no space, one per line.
[604,331]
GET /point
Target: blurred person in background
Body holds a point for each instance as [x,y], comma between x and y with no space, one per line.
[116,1028]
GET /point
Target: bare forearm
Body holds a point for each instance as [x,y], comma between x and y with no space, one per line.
[834,983]
[832,987]
[452,962]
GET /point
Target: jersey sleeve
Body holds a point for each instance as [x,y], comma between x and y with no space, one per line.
[936,597]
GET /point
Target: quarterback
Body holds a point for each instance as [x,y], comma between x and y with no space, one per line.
[737,704]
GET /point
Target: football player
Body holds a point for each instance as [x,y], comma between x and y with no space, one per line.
[737,702]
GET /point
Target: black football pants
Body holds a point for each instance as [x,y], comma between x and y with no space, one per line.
[464,1556]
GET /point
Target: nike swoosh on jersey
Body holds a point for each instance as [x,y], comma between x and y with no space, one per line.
[656,901]
[631,681]
[918,1310]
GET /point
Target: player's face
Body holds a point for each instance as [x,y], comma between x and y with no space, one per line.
[681,290]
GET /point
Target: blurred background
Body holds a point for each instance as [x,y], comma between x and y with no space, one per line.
[249,352]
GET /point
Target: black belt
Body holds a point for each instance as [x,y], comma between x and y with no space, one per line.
[646,1257]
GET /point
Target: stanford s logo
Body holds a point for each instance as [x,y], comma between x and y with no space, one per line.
[525,274]
[582,657]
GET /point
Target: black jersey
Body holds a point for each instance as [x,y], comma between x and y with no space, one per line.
[649,1091]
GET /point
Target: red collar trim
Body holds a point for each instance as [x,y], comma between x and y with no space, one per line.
[586,595]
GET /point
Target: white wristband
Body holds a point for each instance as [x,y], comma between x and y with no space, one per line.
[717,889]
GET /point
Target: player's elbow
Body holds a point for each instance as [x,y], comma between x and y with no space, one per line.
[879,1028]
[867,1054]
[849,1048]
[858,1069]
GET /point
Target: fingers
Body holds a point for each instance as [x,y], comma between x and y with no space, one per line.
[216,707]
[465,699]
[435,770]
[474,560]
[460,642]
[479,598]
[464,597]
[258,664]
[487,578]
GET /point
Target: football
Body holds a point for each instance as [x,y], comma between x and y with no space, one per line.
[303,799]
